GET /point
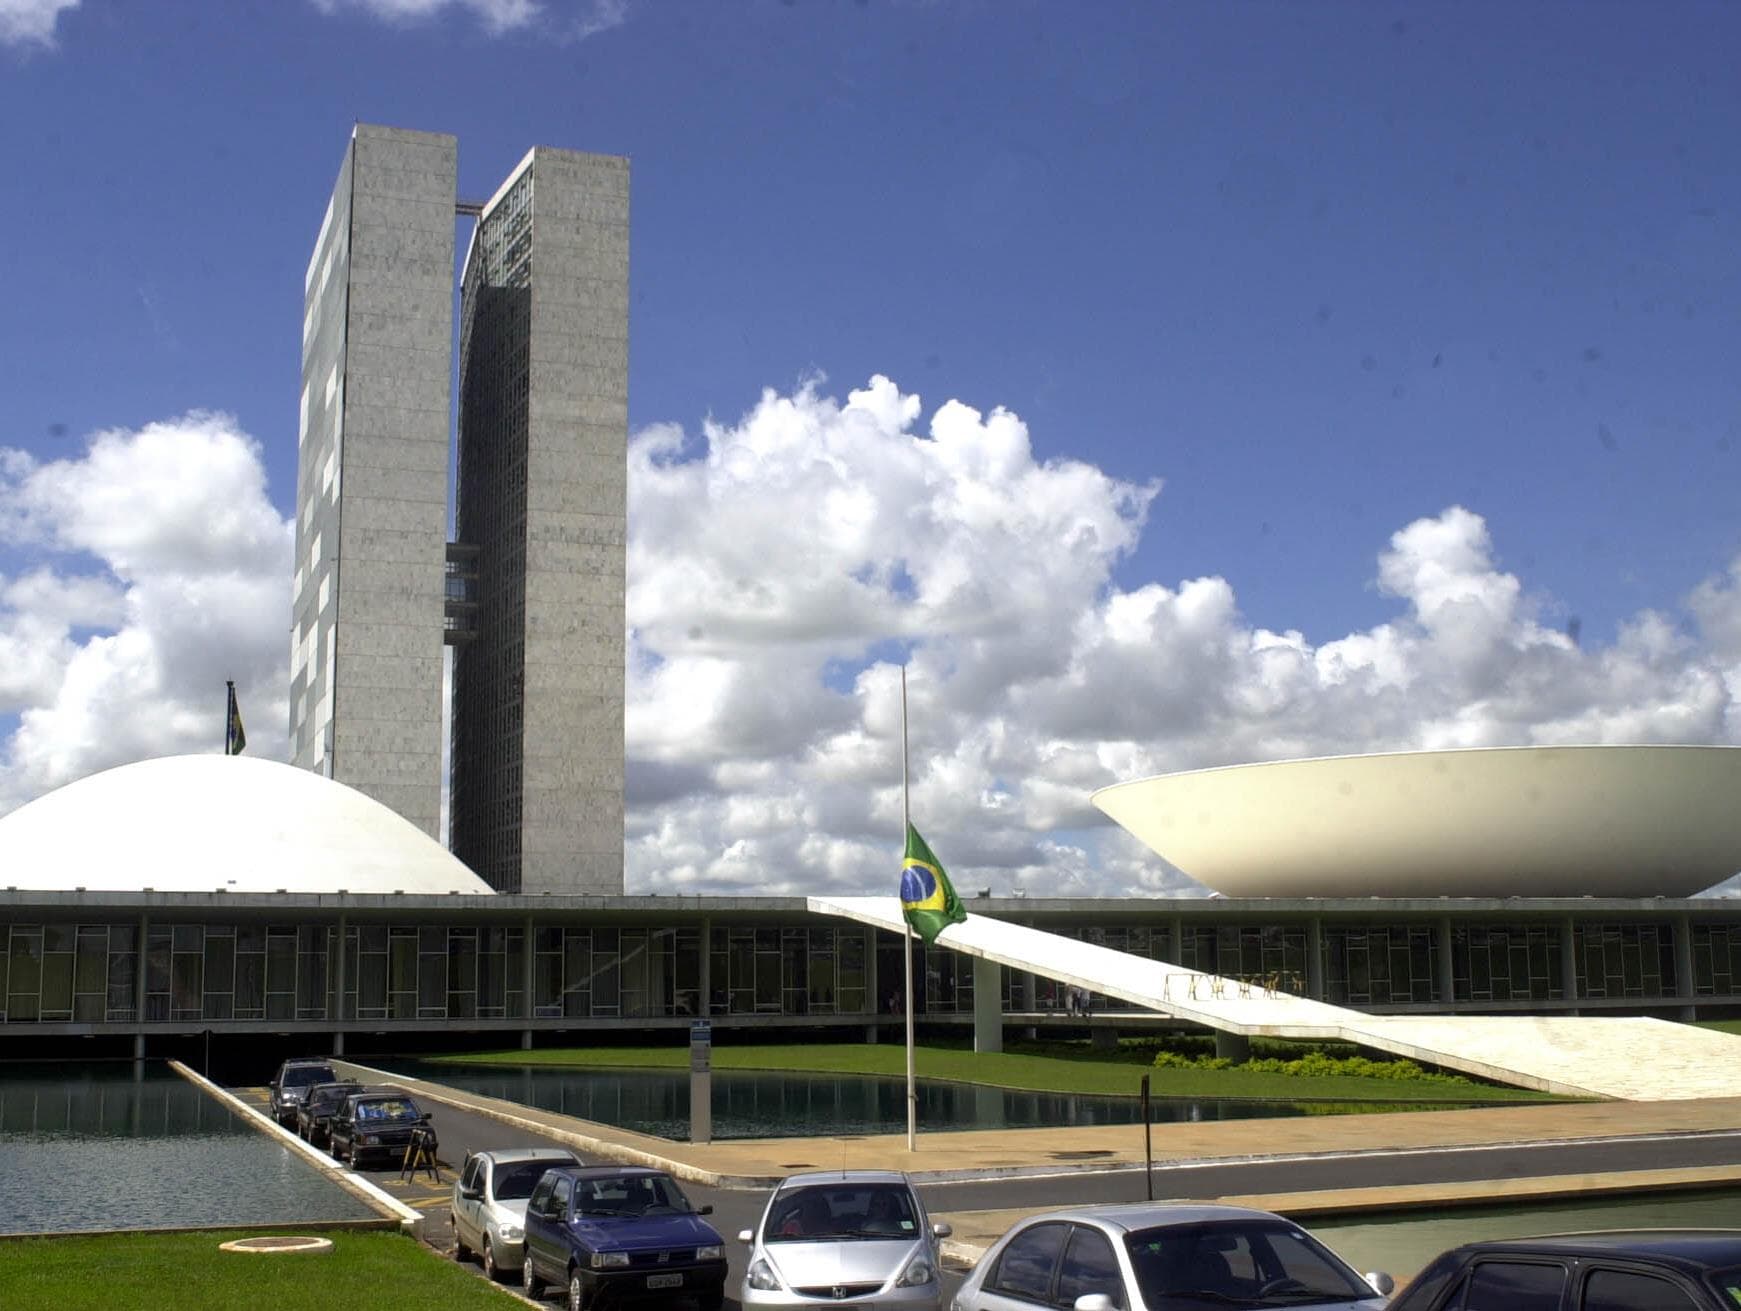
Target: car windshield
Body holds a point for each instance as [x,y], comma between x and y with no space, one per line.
[842,1211]
[1728,1282]
[388,1109]
[628,1195]
[300,1076]
[323,1099]
[1238,1263]
[516,1180]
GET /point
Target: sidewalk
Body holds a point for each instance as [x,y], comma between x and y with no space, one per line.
[943,1155]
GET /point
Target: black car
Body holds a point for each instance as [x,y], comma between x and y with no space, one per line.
[1625,1270]
[315,1111]
[293,1080]
[376,1122]
[622,1232]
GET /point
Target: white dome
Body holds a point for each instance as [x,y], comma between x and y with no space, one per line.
[237,823]
[1603,821]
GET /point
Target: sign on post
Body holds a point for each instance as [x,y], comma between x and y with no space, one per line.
[701,1081]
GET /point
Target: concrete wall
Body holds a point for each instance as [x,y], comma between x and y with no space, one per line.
[372,493]
[576,525]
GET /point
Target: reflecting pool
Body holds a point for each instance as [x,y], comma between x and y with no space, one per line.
[1403,1243]
[94,1147]
[772,1104]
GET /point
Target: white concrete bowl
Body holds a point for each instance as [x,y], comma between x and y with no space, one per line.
[1601,821]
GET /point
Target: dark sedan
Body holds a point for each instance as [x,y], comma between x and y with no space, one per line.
[376,1122]
[314,1113]
[1624,1270]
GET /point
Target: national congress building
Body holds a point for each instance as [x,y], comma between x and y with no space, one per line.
[528,592]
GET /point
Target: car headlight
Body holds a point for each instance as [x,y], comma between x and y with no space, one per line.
[712,1252]
[920,1272]
[603,1259]
[369,1139]
[512,1233]
[761,1276]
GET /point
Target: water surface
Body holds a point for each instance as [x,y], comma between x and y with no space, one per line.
[94,1147]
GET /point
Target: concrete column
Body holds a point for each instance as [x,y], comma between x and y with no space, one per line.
[1682,927]
[704,970]
[1236,1047]
[1569,962]
[338,992]
[139,974]
[1315,958]
[1447,980]
[528,975]
[987,1005]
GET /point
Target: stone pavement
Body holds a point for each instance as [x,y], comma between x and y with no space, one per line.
[944,1155]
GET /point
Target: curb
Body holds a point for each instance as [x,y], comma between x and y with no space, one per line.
[355,1184]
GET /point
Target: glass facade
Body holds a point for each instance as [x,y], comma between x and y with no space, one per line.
[405,970]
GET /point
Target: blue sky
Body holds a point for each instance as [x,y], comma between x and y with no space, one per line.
[1337,301]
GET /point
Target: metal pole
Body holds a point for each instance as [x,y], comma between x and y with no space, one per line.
[1148,1149]
[907,935]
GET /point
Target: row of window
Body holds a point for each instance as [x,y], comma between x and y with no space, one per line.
[92,973]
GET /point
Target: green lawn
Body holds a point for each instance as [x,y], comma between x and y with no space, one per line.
[1722,1026]
[366,1269]
[1040,1067]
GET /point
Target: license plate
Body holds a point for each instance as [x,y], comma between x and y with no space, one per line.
[664,1281]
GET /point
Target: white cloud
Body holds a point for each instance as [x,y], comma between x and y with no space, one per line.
[157,568]
[497,16]
[31,22]
[779,564]
[780,567]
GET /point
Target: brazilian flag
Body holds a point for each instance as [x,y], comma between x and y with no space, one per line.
[927,900]
[234,738]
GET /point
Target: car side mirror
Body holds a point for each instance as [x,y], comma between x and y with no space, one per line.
[704,1210]
[942,1229]
[471,1194]
[1381,1283]
[1094,1302]
[746,1236]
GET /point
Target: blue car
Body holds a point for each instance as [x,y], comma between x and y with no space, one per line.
[620,1233]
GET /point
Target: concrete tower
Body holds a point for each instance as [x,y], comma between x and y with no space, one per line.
[531,593]
[541,513]
[371,495]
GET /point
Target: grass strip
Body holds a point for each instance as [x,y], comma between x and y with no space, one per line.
[1049,1067]
[365,1271]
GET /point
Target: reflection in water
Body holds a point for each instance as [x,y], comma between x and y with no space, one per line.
[1404,1245]
[768,1104]
[101,1149]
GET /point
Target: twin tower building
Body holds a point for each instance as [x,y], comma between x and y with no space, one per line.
[527,591]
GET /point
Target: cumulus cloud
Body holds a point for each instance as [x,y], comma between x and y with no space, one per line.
[781,569]
[782,566]
[31,22]
[155,569]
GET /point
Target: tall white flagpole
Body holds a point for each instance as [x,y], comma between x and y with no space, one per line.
[907,933]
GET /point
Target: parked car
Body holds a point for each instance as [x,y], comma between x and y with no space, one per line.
[1143,1256]
[489,1203]
[626,1232]
[315,1111]
[824,1237]
[375,1122]
[294,1078]
[1625,1270]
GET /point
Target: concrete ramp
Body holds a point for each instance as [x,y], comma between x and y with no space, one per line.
[1618,1057]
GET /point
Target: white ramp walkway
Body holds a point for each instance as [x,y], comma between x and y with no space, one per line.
[1619,1057]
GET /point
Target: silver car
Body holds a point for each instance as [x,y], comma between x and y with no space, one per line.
[830,1237]
[1145,1257]
[489,1204]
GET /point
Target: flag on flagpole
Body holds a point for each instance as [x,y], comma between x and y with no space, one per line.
[927,899]
[234,738]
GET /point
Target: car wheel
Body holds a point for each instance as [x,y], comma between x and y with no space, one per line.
[530,1284]
[492,1271]
[460,1251]
[577,1298]
[352,1155]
